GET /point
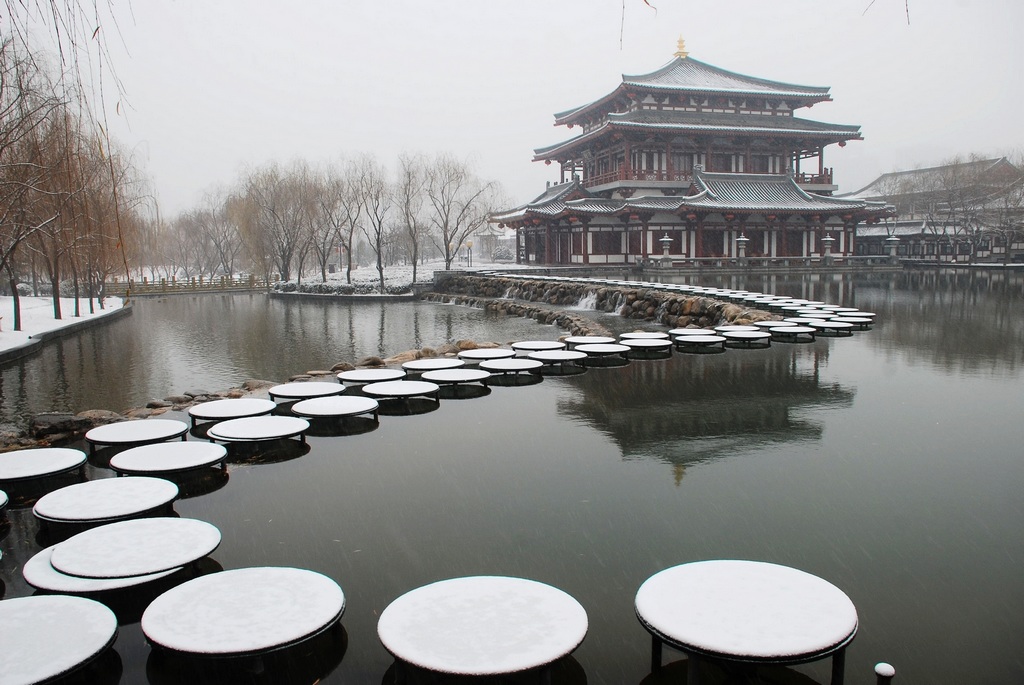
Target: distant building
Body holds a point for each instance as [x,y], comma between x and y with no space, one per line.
[965,211]
[695,161]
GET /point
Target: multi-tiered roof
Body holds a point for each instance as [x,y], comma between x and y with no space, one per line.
[690,97]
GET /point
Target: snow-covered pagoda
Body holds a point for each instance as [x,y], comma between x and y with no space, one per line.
[695,160]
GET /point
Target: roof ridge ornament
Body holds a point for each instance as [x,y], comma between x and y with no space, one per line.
[681,52]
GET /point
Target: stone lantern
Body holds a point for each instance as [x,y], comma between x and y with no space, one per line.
[666,244]
[741,249]
[826,243]
[892,242]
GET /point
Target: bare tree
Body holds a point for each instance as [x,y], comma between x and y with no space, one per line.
[459,204]
[272,220]
[220,234]
[410,196]
[377,198]
[28,104]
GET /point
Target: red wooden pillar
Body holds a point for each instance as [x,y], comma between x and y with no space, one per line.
[547,243]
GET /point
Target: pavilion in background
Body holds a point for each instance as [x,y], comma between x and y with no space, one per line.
[961,212]
[691,162]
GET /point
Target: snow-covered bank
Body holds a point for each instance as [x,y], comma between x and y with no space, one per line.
[37,317]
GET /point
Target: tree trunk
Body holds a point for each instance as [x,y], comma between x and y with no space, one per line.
[15,300]
[55,298]
[77,290]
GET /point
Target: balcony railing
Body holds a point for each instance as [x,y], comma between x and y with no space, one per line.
[634,175]
[624,174]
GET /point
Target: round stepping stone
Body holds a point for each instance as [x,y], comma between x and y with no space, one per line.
[734,327]
[257,428]
[835,327]
[40,574]
[601,349]
[860,323]
[244,611]
[793,333]
[402,389]
[304,391]
[483,353]
[700,343]
[588,340]
[511,365]
[431,364]
[537,345]
[550,357]
[48,636]
[105,500]
[135,548]
[456,376]
[644,335]
[647,344]
[339,405]
[371,375]
[676,332]
[482,625]
[136,432]
[220,410]
[39,462]
[753,611]
[754,338]
[168,457]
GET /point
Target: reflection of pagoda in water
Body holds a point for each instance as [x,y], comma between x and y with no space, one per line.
[694,408]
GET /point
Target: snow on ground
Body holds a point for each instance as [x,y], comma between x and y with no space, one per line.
[37,316]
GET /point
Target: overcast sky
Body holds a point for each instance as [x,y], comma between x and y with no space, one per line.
[215,87]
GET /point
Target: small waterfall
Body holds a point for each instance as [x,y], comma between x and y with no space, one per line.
[588,301]
[616,302]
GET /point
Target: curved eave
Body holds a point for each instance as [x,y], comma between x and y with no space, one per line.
[733,130]
[655,82]
[559,150]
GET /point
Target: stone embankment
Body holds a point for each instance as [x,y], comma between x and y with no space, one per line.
[676,310]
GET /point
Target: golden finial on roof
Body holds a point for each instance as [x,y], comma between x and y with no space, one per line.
[681,49]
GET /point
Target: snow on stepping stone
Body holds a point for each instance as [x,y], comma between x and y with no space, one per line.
[482,625]
[39,462]
[482,353]
[168,457]
[537,345]
[746,610]
[136,432]
[429,364]
[40,573]
[401,389]
[338,405]
[219,410]
[258,428]
[47,636]
[644,335]
[135,548]
[304,391]
[108,499]
[243,612]
[371,375]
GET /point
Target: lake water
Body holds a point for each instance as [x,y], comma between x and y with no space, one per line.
[890,463]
